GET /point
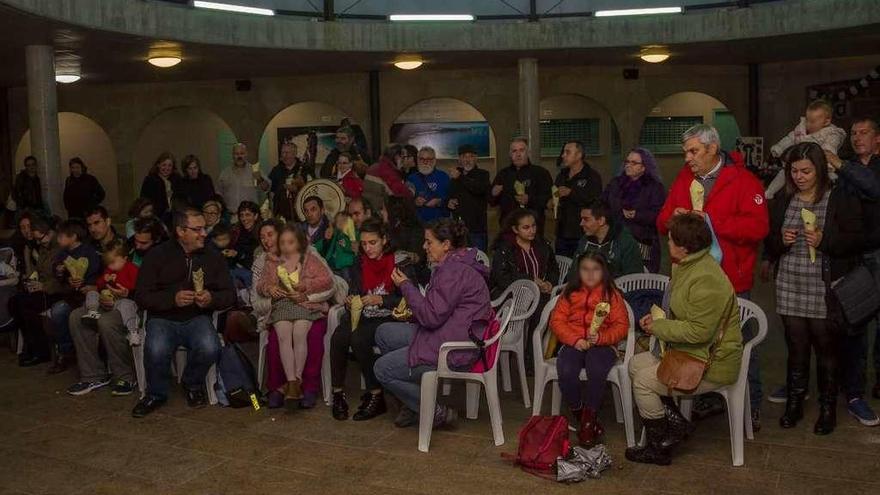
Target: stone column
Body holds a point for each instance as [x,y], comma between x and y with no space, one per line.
[43,121]
[529,107]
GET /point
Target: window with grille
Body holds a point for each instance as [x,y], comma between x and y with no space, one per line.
[555,133]
[663,134]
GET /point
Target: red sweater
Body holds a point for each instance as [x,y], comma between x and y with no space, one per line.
[738,212]
[572,316]
[127,277]
[385,170]
[352,185]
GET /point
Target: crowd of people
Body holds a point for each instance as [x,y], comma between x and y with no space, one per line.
[402,257]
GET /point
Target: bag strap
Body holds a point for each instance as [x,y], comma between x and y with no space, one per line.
[731,307]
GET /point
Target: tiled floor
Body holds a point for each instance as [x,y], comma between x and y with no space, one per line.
[51,443]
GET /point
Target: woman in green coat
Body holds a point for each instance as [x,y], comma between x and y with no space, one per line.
[704,323]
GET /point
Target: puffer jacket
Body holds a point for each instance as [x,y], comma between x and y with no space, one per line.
[315,278]
[571,318]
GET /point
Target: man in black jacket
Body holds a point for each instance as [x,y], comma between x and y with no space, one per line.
[287,178]
[27,193]
[578,187]
[468,196]
[533,181]
[344,143]
[179,307]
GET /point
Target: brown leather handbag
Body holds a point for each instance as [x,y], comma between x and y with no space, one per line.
[679,370]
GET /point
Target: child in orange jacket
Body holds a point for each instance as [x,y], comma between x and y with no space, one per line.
[589,320]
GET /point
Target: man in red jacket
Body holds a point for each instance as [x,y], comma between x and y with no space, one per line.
[733,199]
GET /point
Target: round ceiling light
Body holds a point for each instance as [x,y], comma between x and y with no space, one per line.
[408,62]
[164,62]
[67,78]
[654,54]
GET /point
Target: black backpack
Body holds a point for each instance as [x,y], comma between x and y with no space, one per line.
[239,381]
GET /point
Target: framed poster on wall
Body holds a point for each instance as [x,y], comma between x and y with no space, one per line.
[444,137]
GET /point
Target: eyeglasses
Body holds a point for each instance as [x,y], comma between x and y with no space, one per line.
[197,230]
[426,159]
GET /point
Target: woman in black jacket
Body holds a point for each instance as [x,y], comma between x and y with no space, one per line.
[195,188]
[82,191]
[521,254]
[816,237]
[160,184]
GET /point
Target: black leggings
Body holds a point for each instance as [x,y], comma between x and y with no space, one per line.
[361,342]
[802,335]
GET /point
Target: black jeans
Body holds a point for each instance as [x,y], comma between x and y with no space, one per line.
[802,335]
[361,340]
[26,308]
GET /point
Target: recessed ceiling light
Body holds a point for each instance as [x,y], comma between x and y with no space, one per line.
[657,10]
[430,17]
[164,62]
[408,62]
[654,54]
[67,78]
[228,7]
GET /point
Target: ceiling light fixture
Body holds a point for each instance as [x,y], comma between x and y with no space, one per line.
[654,54]
[228,7]
[408,62]
[430,17]
[67,78]
[164,62]
[656,10]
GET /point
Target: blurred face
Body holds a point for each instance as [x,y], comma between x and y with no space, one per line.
[146,212]
[247,219]
[816,120]
[212,215]
[519,153]
[24,227]
[117,263]
[373,245]
[427,162]
[343,165]
[590,224]
[165,168]
[269,240]
[66,241]
[192,170]
[192,235]
[76,169]
[357,212]
[865,140]
[803,173]
[288,244]
[288,155]
[676,252]
[143,241]
[221,241]
[239,155]
[30,167]
[98,227]
[313,213]
[571,155]
[700,158]
[341,221]
[633,166]
[343,141]
[42,238]
[434,248]
[590,272]
[526,229]
[467,160]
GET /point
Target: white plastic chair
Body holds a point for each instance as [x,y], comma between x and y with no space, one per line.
[545,372]
[333,316]
[640,281]
[489,380]
[483,258]
[564,263]
[525,296]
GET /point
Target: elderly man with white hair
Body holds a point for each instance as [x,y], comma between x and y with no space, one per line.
[430,186]
[241,182]
[717,184]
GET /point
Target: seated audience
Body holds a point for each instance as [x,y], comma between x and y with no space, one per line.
[521,254]
[195,188]
[316,222]
[605,234]
[109,314]
[455,305]
[244,242]
[808,260]
[141,208]
[634,198]
[583,349]
[339,244]
[148,233]
[289,280]
[178,313]
[371,284]
[704,325]
[352,185]
[101,228]
[215,213]
[431,186]
[360,210]
[160,185]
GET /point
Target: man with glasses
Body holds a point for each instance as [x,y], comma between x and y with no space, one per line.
[578,185]
[430,186]
[180,285]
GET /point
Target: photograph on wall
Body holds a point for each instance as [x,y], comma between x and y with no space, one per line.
[325,137]
[444,137]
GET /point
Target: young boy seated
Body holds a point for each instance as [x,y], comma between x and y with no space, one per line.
[114,289]
[338,244]
[814,127]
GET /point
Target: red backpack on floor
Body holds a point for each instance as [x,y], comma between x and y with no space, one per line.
[542,440]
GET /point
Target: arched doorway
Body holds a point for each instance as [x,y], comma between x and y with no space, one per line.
[80,137]
[577,117]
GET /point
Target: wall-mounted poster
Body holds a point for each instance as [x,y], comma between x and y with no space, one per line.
[326,139]
[444,137]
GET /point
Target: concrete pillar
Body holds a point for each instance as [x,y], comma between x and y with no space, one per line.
[43,121]
[529,107]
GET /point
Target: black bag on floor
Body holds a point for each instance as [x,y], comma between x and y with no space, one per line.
[238,377]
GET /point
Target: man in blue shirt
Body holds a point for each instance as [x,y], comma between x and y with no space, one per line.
[430,186]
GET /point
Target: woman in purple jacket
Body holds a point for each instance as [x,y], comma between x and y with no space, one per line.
[636,196]
[457,300]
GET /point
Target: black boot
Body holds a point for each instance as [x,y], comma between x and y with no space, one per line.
[827,381]
[678,427]
[653,451]
[794,405]
[827,418]
[374,407]
[340,406]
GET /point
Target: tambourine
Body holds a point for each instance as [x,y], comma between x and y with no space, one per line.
[329,192]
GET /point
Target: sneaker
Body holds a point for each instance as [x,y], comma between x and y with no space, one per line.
[90,319]
[756,420]
[859,408]
[197,398]
[781,395]
[82,388]
[122,388]
[309,400]
[406,418]
[276,399]
[146,406]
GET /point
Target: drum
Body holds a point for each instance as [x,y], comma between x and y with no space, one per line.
[329,192]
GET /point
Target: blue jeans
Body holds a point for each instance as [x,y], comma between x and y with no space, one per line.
[60,317]
[197,335]
[480,240]
[566,247]
[392,368]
